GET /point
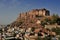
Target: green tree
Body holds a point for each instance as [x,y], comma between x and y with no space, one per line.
[43,23]
[57,30]
[54,18]
[58,21]
[33,28]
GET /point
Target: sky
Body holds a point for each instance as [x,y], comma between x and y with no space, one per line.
[10,9]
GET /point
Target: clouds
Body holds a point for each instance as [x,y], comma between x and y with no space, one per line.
[9,3]
[14,3]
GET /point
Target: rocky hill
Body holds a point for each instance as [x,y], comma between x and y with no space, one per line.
[31,18]
[35,24]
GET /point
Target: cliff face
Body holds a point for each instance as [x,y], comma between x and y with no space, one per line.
[31,18]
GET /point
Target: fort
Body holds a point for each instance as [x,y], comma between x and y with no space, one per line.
[34,13]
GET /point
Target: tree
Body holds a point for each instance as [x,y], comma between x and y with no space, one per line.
[43,23]
[57,30]
[58,21]
[54,18]
[33,28]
